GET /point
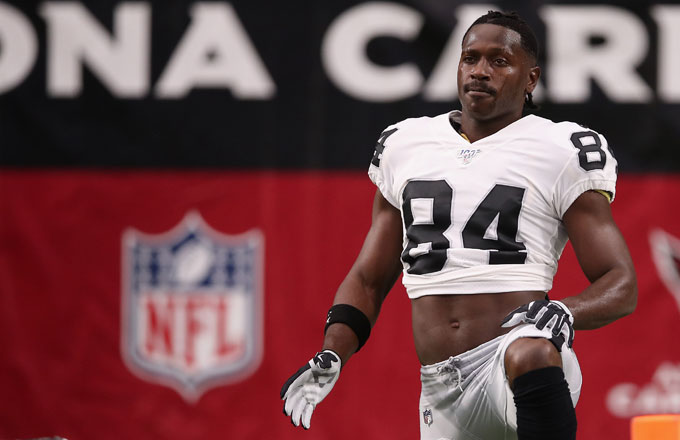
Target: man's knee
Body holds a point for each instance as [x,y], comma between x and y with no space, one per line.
[527,354]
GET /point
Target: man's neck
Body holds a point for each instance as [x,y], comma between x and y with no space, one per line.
[476,129]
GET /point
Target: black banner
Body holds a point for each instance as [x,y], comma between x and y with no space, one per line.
[300,85]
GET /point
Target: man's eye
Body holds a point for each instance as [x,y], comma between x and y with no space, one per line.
[501,62]
[468,59]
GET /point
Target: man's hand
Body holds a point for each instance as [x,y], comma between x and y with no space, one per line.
[309,386]
[552,315]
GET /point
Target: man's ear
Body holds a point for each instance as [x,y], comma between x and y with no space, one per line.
[534,75]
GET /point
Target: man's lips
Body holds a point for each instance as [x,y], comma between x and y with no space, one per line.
[478,90]
[478,93]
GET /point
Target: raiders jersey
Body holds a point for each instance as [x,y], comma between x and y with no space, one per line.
[486,216]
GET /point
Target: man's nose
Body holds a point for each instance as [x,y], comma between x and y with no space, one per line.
[481,70]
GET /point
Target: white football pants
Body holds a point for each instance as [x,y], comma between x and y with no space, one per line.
[468,397]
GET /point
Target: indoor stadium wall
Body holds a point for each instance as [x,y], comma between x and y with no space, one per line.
[183,187]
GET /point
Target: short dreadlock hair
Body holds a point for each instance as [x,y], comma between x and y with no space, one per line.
[512,20]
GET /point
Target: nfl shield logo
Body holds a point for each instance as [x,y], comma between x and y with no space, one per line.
[192,306]
[427,417]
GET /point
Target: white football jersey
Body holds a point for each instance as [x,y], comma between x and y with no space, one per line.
[486,216]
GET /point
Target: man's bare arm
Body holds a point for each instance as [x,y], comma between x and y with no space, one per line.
[604,258]
[373,274]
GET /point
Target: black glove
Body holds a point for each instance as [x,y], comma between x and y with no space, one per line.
[552,315]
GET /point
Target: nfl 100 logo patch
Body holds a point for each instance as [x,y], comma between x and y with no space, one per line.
[466,155]
[192,306]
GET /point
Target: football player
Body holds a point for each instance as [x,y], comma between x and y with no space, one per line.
[475,208]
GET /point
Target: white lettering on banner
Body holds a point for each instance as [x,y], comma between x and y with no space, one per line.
[574,62]
[343,52]
[18,47]
[75,38]
[668,20]
[662,396]
[216,52]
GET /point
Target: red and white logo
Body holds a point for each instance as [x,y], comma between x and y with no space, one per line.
[662,394]
[192,306]
[666,255]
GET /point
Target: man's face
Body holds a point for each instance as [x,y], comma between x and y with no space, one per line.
[494,72]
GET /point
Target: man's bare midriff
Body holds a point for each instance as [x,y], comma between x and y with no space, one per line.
[448,325]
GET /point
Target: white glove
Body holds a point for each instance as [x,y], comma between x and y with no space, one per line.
[309,386]
[552,315]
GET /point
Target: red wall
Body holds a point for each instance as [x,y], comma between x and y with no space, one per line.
[60,308]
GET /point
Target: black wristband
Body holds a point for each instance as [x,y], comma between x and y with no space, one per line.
[353,317]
